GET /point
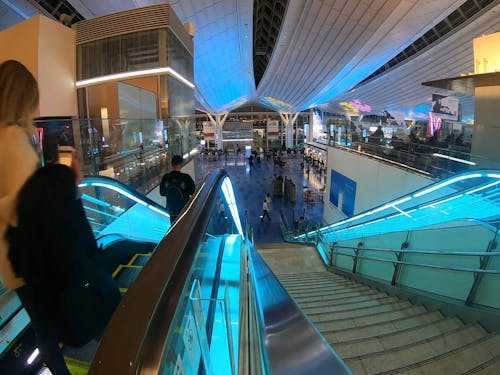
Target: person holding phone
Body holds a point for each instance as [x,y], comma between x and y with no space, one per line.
[19,98]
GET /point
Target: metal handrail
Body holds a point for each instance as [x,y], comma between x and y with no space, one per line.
[467,253]
[475,270]
[134,340]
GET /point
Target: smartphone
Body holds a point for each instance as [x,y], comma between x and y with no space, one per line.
[65,155]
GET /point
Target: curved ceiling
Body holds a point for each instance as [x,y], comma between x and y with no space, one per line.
[323,51]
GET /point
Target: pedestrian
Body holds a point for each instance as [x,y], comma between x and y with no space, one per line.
[177,187]
[19,99]
[265,210]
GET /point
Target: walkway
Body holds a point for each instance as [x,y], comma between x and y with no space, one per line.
[251,186]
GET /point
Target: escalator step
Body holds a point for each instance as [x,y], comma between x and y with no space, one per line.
[139,259]
[125,275]
[77,367]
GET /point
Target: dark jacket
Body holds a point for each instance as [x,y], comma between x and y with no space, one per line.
[53,245]
[173,181]
[55,251]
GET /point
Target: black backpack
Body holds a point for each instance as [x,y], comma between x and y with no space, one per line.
[175,197]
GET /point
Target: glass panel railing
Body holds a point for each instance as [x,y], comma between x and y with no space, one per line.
[135,151]
[457,260]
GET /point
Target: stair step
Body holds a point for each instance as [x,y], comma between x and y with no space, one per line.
[326,292]
[382,328]
[77,367]
[403,309]
[338,299]
[126,275]
[320,284]
[392,340]
[327,285]
[366,312]
[312,277]
[139,259]
[415,355]
[480,357]
[356,302]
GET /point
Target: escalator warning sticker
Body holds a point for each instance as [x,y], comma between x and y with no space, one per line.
[190,339]
[179,368]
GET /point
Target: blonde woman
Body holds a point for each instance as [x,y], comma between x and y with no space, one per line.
[19,99]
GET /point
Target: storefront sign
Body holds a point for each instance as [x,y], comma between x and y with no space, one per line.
[273,131]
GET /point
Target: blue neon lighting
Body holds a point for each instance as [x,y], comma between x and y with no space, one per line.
[227,190]
[446,183]
[119,190]
[434,204]
[158,210]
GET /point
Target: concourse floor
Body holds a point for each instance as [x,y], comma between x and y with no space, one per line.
[251,186]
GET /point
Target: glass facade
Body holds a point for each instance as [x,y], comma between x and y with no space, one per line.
[135,124]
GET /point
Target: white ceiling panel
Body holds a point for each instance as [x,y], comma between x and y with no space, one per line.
[402,87]
[325,48]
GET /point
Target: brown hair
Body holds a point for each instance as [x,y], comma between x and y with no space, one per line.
[19,97]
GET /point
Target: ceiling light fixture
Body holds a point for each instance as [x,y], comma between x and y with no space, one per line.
[134,74]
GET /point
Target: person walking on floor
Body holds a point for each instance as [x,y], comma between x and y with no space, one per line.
[265,210]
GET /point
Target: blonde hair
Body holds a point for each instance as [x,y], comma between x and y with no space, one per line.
[19,96]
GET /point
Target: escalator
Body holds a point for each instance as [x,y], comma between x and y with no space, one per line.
[205,302]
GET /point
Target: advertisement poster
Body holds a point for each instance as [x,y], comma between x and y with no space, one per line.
[343,193]
[208,130]
[445,107]
[273,130]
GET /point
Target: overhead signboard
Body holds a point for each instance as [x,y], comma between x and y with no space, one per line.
[208,130]
[273,131]
[445,107]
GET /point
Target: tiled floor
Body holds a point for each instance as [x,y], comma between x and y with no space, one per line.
[251,186]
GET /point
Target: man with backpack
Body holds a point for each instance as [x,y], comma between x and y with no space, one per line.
[177,187]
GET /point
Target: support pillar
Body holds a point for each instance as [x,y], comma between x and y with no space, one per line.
[218,121]
[288,120]
[486,131]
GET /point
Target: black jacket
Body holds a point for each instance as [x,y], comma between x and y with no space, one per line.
[53,245]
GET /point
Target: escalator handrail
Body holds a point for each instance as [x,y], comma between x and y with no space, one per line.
[292,344]
[89,180]
[135,338]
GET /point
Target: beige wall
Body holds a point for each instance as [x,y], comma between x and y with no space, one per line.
[487,54]
[57,69]
[47,49]
[103,95]
[376,182]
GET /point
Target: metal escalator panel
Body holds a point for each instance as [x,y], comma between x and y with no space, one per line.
[471,195]
[114,208]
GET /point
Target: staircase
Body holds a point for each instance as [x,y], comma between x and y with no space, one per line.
[376,333]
